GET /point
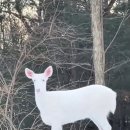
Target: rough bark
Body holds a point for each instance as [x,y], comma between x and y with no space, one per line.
[98,42]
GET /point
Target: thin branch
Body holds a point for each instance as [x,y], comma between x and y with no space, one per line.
[115,34]
[117,66]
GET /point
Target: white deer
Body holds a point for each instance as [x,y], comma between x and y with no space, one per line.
[61,107]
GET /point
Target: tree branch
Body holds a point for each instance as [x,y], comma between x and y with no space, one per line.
[23,19]
[110,5]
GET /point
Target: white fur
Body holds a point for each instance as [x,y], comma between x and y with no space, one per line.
[61,107]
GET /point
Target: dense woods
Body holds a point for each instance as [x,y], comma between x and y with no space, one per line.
[37,33]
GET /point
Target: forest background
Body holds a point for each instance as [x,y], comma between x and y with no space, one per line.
[37,33]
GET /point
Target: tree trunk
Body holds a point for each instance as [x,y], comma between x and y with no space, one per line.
[128,6]
[39,10]
[98,42]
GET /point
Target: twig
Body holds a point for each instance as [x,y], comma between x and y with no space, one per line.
[116,33]
[116,66]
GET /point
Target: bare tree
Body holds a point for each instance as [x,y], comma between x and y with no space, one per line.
[98,42]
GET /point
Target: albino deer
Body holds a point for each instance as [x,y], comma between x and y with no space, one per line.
[61,107]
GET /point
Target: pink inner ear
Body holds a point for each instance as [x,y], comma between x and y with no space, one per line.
[29,73]
[48,72]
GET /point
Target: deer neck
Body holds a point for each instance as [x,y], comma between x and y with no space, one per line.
[40,95]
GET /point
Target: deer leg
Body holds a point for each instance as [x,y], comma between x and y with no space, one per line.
[102,123]
[105,125]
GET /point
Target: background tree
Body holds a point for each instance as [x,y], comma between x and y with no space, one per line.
[98,42]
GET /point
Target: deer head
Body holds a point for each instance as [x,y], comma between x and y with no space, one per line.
[39,80]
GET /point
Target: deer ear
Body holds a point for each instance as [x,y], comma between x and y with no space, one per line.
[29,73]
[48,72]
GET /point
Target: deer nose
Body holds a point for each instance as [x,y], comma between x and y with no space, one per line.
[37,90]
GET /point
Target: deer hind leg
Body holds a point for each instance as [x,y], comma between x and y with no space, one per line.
[56,127]
[102,124]
[105,125]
